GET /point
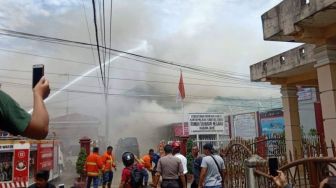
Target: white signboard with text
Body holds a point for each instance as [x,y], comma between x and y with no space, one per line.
[207,123]
[245,125]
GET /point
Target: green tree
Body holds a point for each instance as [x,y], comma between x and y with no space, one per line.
[312,132]
[189,155]
[81,162]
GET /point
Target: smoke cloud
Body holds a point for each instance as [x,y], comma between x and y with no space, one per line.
[222,35]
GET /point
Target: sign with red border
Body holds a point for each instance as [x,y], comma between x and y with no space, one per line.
[21,165]
[45,156]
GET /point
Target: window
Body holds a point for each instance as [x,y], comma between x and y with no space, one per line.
[6,166]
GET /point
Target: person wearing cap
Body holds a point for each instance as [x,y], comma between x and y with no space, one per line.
[212,169]
[176,152]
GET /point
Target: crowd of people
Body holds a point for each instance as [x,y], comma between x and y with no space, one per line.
[170,165]
[96,164]
[170,169]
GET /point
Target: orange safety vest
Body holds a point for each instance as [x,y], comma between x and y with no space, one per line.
[108,162]
[147,162]
[93,164]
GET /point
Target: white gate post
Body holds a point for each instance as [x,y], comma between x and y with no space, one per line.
[250,166]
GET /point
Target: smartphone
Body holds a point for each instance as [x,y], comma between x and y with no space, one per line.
[38,72]
[273,166]
[61,186]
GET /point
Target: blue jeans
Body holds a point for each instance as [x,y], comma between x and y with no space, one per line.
[95,180]
[107,177]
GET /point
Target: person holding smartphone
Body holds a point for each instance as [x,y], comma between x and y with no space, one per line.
[17,121]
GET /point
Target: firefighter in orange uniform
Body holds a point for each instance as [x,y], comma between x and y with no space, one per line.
[92,166]
[108,162]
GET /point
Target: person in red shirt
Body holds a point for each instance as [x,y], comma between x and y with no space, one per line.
[127,179]
[108,163]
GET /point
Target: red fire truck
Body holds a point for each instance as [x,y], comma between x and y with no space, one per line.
[20,159]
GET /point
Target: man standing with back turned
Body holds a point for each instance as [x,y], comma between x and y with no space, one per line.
[212,172]
[171,170]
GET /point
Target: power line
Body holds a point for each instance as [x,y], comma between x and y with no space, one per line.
[102,35]
[109,65]
[87,26]
[167,82]
[193,68]
[192,78]
[44,56]
[165,94]
[207,73]
[85,63]
[97,40]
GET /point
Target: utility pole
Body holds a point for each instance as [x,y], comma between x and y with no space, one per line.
[107,124]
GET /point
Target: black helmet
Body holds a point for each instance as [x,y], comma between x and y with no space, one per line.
[128,158]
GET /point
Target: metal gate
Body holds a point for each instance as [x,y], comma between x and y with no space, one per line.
[234,156]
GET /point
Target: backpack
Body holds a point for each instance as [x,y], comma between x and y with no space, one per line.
[136,177]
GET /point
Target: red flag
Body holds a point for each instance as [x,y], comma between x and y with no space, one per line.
[181,87]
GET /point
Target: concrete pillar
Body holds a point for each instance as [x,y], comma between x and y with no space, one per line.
[292,121]
[326,71]
[250,166]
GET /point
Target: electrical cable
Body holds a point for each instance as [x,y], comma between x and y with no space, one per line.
[6,83]
[141,80]
[89,33]
[109,65]
[223,76]
[102,36]
[121,52]
[97,40]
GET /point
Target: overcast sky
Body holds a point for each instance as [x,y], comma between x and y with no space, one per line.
[224,35]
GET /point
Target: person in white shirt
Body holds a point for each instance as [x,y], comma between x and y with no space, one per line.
[176,152]
[212,169]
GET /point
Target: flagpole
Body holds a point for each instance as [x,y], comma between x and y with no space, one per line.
[181,96]
[182,118]
[183,132]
